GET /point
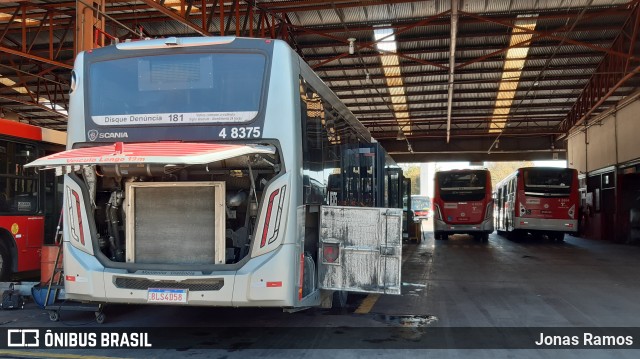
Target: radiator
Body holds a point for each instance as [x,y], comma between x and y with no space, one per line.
[175,223]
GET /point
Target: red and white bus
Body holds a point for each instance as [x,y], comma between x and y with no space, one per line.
[462,204]
[538,200]
[30,200]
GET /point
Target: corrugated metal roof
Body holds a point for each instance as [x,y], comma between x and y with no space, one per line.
[553,76]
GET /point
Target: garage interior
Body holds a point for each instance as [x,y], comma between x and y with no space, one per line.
[432,80]
[469,80]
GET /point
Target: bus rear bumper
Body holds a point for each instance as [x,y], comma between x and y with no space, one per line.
[546,224]
[264,281]
[485,227]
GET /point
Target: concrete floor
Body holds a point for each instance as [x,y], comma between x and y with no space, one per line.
[530,282]
[453,283]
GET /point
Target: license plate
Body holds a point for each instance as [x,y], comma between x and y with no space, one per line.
[161,295]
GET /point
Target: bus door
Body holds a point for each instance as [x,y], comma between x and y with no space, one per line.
[360,249]
[407,213]
[28,228]
[394,180]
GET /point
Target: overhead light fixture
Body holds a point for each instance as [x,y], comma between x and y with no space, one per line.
[514,63]
[352,47]
[386,44]
[497,144]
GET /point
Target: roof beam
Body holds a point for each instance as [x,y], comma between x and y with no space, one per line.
[612,73]
[466,149]
[559,108]
[371,44]
[467,35]
[312,58]
[545,34]
[595,11]
[142,14]
[35,58]
[564,99]
[177,17]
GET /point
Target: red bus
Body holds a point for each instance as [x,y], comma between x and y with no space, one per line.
[538,200]
[462,203]
[30,200]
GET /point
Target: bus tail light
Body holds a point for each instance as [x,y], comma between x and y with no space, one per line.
[272,218]
[265,231]
[436,212]
[75,216]
[489,212]
[331,253]
[76,224]
[301,281]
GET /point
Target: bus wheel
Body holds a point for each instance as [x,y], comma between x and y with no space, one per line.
[340,299]
[484,238]
[559,237]
[5,263]
[515,235]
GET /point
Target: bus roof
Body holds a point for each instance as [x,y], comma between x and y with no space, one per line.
[31,132]
[464,170]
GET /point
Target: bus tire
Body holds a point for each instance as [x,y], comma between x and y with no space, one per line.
[559,237]
[484,238]
[340,299]
[515,235]
[5,263]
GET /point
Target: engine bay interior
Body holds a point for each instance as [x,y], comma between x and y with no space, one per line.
[244,177]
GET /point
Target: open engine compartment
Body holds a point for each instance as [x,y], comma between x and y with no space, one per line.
[179,209]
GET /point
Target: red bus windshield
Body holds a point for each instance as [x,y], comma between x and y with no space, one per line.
[548,181]
[462,186]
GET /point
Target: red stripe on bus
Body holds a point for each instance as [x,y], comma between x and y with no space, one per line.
[146,149]
[265,230]
[20,130]
[75,194]
[301,283]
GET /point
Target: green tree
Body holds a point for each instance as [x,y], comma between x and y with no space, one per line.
[500,170]
[413,172]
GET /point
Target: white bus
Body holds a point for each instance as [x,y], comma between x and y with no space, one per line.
[221,171]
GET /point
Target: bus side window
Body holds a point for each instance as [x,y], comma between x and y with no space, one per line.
[313,134]
[504,193]
[18,185]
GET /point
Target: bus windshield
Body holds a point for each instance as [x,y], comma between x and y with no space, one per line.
[180,89]
[462,185]
[420,203]
[548,181]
